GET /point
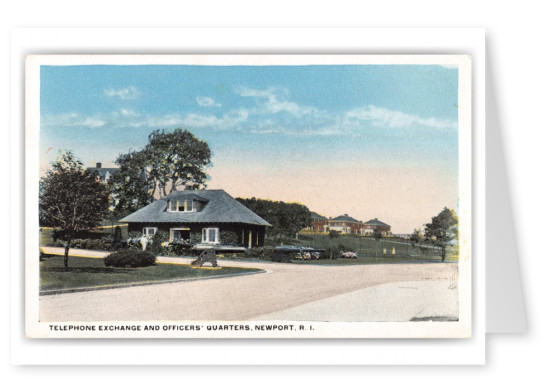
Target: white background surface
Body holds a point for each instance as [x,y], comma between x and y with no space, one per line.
[517,47]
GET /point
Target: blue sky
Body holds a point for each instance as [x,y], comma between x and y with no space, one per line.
[367,140]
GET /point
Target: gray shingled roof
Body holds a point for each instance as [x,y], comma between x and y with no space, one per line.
[220,207]
[317,216]
[377,222]
[346,218]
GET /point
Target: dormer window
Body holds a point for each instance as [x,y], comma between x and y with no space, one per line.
[181,206]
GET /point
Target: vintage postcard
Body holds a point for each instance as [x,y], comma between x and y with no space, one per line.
[248,196]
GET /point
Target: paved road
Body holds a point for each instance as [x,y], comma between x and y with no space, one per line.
[396,301]
[236,298]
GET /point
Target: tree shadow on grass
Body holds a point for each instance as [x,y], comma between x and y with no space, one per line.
[95,270]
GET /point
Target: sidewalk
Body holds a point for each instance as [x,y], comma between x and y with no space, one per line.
[77,252]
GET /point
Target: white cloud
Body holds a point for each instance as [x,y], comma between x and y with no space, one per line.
[260,121]
[124,93]
[385,118]
[300,133]
[151,121]
[273,102]
[206,101]
[266,131]
[128,113]
[126,118]
[92,122]
[71,120]
[190,121]
[229,120]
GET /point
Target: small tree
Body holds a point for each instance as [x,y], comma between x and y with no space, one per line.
[159,238]
[71,200]
[117,237]
[442,230]
[377,235]
[332,235]
[415,237]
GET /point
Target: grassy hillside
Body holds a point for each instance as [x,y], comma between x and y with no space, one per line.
[369,247]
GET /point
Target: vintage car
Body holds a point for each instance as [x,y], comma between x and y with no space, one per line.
[286,253]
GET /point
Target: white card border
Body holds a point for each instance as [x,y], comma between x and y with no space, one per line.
[398,41]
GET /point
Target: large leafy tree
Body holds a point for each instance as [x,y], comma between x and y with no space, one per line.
[286,218]
[128,185]
[168,161]
[71,200]
[175,159]
[442,230]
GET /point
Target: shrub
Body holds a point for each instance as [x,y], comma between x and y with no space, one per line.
[58,243]
[94,244]
[177,249]
[229,238]
[129,258]
[156,245]
[266,252]
[134,234]
[330,253]
[195,237]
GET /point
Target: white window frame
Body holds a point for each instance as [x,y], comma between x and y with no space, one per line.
[205,234]
[180,203]
[145,231]
[171,232]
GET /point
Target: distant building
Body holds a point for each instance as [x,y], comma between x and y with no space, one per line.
[102,174]
[369,227]
[318,223]
[344,224]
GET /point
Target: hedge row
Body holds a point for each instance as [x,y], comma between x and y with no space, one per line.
[98,244]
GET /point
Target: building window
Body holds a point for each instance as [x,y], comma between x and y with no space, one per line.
[180,235]
[149,231]
[210,235]
[181,206]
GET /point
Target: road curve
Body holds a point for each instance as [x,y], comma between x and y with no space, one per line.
[235,298]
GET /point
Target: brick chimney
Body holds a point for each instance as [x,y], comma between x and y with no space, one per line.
[98,165]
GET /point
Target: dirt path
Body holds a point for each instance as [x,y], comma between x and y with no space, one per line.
[235,298]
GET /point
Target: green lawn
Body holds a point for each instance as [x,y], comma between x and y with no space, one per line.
[91,272]
[369,247]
